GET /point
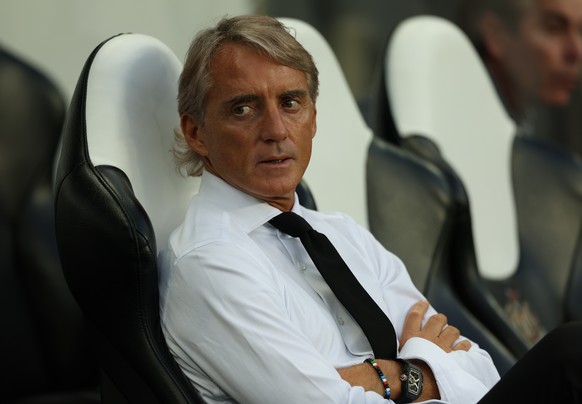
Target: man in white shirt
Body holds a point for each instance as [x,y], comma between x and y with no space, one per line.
[244,310]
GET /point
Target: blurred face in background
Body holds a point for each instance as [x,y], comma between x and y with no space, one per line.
[541,57]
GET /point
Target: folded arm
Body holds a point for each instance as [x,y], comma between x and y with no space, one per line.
[435,330]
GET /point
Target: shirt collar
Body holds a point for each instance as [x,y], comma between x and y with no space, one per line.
[250,212]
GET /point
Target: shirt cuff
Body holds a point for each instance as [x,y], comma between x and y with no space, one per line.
[455,384]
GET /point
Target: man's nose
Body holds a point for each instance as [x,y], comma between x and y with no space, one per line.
[273,126]
[574,47]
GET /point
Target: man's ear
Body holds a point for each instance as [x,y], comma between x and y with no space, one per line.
[193,134]
[494,35]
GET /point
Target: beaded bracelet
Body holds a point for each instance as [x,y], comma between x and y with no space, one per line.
[381,376]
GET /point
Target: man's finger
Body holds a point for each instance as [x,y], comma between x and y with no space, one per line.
[434,325]
[413,323]
[449,335]
[415,315]
[463,345]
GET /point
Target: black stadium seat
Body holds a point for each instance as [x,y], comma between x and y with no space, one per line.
[417,201]
[46,354]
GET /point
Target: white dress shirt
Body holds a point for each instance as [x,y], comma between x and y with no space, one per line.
[249,318]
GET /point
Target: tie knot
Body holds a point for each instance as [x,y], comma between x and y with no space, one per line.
[291,224]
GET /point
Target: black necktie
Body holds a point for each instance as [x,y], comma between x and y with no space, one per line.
[376,326]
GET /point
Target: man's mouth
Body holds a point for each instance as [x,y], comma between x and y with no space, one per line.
[568,81]
[276,160]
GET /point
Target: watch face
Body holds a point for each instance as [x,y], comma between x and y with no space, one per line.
[414,383]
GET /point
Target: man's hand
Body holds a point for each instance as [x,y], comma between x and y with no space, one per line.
[435,330]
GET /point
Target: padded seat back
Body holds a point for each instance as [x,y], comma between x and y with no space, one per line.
[118,198]
[548,191]
[440,88]
[419,206]
[520,196]
[45,344]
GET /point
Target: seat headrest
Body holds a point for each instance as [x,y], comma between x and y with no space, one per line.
[32,112]
[440,88]
[131,114]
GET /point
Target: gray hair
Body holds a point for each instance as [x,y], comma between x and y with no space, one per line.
[267,35]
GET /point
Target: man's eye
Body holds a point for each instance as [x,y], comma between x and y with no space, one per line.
[553,28]
[242,110]
[290,104]
[553,25]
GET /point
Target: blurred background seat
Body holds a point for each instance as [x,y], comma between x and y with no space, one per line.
[546,288]
[45,344]
[517,196]
[118,198]
[432,89]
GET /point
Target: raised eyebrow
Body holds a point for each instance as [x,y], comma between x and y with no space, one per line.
[241,99]
[299,93]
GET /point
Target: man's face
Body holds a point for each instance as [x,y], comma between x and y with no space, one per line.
[258,127]
[543,58]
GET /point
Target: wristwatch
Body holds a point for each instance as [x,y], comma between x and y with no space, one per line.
[412,380]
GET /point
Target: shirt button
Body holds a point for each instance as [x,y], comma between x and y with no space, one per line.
[302,266]
[340,320]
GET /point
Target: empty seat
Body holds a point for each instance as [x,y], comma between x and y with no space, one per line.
[46,346]
[426,93]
